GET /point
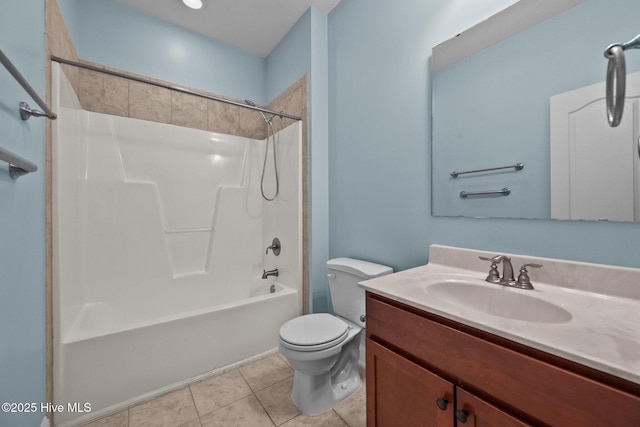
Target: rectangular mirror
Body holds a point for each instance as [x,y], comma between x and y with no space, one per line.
[527,86]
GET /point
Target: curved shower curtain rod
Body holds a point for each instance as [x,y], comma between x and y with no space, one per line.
[174,88]
[617,72]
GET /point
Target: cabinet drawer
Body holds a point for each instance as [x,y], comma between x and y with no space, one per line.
[539,390]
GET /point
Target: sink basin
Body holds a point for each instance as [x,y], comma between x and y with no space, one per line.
[497,300]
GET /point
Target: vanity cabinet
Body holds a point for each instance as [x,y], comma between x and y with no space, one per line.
[406,394]
[417,360]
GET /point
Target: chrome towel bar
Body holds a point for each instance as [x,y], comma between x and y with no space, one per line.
[505,192]
[617,77]
[517,166]
[17,165]
[25,110]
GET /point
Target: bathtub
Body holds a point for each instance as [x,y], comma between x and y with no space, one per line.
[132,360]
[159,237]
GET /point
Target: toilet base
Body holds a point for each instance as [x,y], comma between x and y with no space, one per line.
[325,377]
[313,395]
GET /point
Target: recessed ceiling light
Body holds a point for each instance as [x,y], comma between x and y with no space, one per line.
[193,4]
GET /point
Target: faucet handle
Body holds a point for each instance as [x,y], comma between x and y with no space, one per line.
[530,265]
[275,247]
[494,276]
[523,278]
[495,259]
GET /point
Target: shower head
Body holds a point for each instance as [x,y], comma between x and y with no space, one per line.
[253,104]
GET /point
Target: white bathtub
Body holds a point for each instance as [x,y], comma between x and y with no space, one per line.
[134,361]
[159,238]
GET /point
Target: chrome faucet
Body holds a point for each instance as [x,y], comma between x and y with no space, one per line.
[507,278]
[266,273]
[507,271]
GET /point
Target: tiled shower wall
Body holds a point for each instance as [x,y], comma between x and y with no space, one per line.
[103,93]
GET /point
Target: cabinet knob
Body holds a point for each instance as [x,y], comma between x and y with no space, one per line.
[442,403]
[462,415]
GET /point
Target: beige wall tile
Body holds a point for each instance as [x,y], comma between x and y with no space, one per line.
[90,84]
[188,110]
[223,118]
[140,106]
[251,124]
[103,93]
[116,96]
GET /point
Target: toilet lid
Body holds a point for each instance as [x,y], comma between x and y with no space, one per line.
[314,332]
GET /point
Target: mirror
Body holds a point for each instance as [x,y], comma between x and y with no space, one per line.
[493,91]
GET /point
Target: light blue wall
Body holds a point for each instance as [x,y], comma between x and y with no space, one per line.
[22,233]
[291,59]
[107,32]
[379,146]
[319,299]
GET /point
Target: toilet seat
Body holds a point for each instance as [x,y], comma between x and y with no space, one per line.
[313,332]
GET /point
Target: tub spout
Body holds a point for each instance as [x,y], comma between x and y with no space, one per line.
[266,273]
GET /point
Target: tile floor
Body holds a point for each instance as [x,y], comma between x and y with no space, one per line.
[253,395]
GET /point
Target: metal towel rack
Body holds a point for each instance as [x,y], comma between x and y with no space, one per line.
[505,192]
[25,110]
[617,77]
[17,165]
[517,166]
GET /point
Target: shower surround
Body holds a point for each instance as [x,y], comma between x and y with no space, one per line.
[159,238]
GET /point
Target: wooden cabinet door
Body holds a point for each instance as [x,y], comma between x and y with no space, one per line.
[472,411]
[401,393]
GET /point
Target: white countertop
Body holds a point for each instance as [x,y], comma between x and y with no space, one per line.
[603,332]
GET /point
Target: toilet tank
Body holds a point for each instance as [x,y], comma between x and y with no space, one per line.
[346,296]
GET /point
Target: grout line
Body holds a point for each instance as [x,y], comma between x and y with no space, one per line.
[194,401]
[340,416]
[265,409]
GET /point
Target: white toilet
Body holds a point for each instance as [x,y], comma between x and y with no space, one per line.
[324,349]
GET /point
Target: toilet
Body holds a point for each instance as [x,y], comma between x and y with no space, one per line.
[325,349]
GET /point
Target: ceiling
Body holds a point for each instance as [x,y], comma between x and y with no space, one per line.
[256,26]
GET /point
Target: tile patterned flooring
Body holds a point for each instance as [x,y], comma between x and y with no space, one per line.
[253,395]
